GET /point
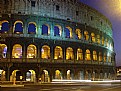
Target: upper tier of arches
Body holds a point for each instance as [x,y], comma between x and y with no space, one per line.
[71,10]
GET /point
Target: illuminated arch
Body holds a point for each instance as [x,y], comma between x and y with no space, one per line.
[45,52]
[106,42]
[98,39]
[45,29]
[69,75]
[109,57]
[68,31]
[105,57]
[86,35]
[2,75]
[87,55]
[58,53]
[79,54]
[88,75]
[94,55]
[45,76]
[3,51]
[95,75]
[92,37]
[78,33]
[31,51]
[102,40]
[100,56]
[32,28]
[111,46]
[57,30]
[4,26]
[58,75]
[17,51]
[18,27]
[31,76]
[81,74]
[16,75]
[69,53]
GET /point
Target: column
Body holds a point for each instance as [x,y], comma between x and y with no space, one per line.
[24,52]
[7,74]
[51,29]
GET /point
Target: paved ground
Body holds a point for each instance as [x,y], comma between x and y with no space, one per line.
[89,87]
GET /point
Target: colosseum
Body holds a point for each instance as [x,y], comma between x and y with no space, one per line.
[52,40]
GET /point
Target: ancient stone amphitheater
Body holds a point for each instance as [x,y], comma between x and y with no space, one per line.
[51,40]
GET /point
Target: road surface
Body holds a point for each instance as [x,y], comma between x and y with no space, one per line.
[101,87]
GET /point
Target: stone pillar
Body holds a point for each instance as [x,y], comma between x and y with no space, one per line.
[25,27]
[7,74]
[50,75]
[51,30]
[51,53]
[24,52]
[63,31]
[38,74]
[64,74]
[38,51]
[64,53]
[9,50]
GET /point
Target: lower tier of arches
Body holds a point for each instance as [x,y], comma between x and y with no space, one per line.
[51,72]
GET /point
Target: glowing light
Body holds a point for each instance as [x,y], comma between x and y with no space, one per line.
[89,81]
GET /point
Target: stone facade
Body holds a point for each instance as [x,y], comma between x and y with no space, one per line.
[86,51]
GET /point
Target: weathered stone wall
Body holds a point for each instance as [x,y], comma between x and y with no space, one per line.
[63,9]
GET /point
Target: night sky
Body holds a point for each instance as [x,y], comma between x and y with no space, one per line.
[112,10]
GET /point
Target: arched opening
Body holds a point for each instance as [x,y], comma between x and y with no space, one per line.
[18,27]
[102,40]
[4,27]
[68,31]
[45,29]
[100,56]
[32,28]
[106,42]
[16,76]
[95,75]
[111,46]
[109,57]
[88,75]
[2,75]
[69,53]
[58,53]
[79,54]
[86,35]
[3,51]
[94,55]
[101,75]
[69,75]
[81,75]
[98,39]
[57,30]
[31,76]
[105,75]
[45,52]
[93,37]
[87,55]
[105,57]
[17,51]
[31,51]
[58,75]
[78,34]
[45,76]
